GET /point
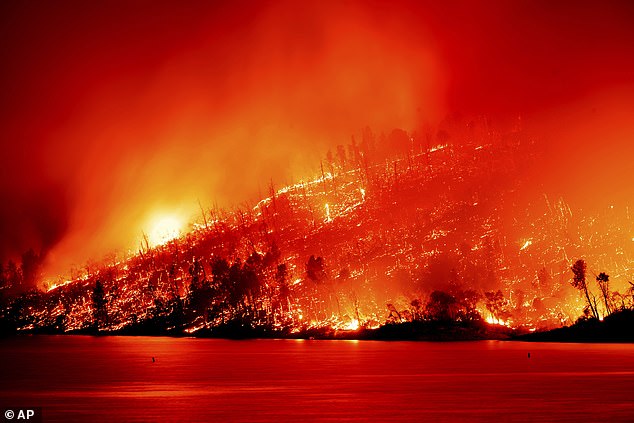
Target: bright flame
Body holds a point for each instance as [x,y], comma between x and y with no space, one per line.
[493,321]
[163,229]
[353,325]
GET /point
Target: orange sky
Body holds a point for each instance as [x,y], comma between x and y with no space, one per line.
[114,111]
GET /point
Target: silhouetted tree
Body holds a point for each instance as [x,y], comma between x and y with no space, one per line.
[30,267]
[315,269]
[13,275]
[281,274]
[220,271]
[417,309]
[19,312]
[393,315]
[579,282]
[341,156]
[251,276]
[629,293]
[330,160]
[441,306]
[200,293]
[468,300]
[197,273]
[176,313]
[236,285]
[99,305]
[220,278]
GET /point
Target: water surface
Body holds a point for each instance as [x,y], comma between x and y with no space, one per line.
[82,378]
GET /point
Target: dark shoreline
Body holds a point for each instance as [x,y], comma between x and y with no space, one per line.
[407,331]
[615,328]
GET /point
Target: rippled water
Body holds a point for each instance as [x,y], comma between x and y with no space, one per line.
[77,378]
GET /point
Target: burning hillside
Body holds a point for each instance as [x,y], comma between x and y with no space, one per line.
[398,228]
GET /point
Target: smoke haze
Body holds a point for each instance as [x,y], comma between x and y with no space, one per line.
[113,112]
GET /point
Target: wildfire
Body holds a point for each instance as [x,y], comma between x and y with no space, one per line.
[163,229]
[495,321]
[364,242]
[55,285]
[352,325]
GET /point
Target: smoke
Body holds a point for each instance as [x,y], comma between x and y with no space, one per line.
[588,150]
[113,114]
[137,123]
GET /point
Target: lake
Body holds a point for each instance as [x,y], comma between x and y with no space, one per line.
[83,378]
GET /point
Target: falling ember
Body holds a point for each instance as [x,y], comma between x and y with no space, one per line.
[526,245]
[327,208]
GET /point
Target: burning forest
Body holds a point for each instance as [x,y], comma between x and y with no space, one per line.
[399,228]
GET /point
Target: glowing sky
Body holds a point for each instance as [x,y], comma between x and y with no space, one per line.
[114,112]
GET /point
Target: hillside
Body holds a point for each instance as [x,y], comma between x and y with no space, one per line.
[400,228]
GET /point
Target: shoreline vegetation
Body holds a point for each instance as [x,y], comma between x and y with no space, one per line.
[615,328]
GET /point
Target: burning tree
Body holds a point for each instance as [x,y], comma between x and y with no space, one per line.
[99,303]
[497,305]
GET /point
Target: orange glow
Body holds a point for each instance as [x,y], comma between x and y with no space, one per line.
[164,228]
[456,153]
[493,321]
[352,325]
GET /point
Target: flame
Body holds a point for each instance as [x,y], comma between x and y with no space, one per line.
[163,229]
[353,325]
[494,321]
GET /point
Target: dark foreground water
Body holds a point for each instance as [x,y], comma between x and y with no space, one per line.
[75,378]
